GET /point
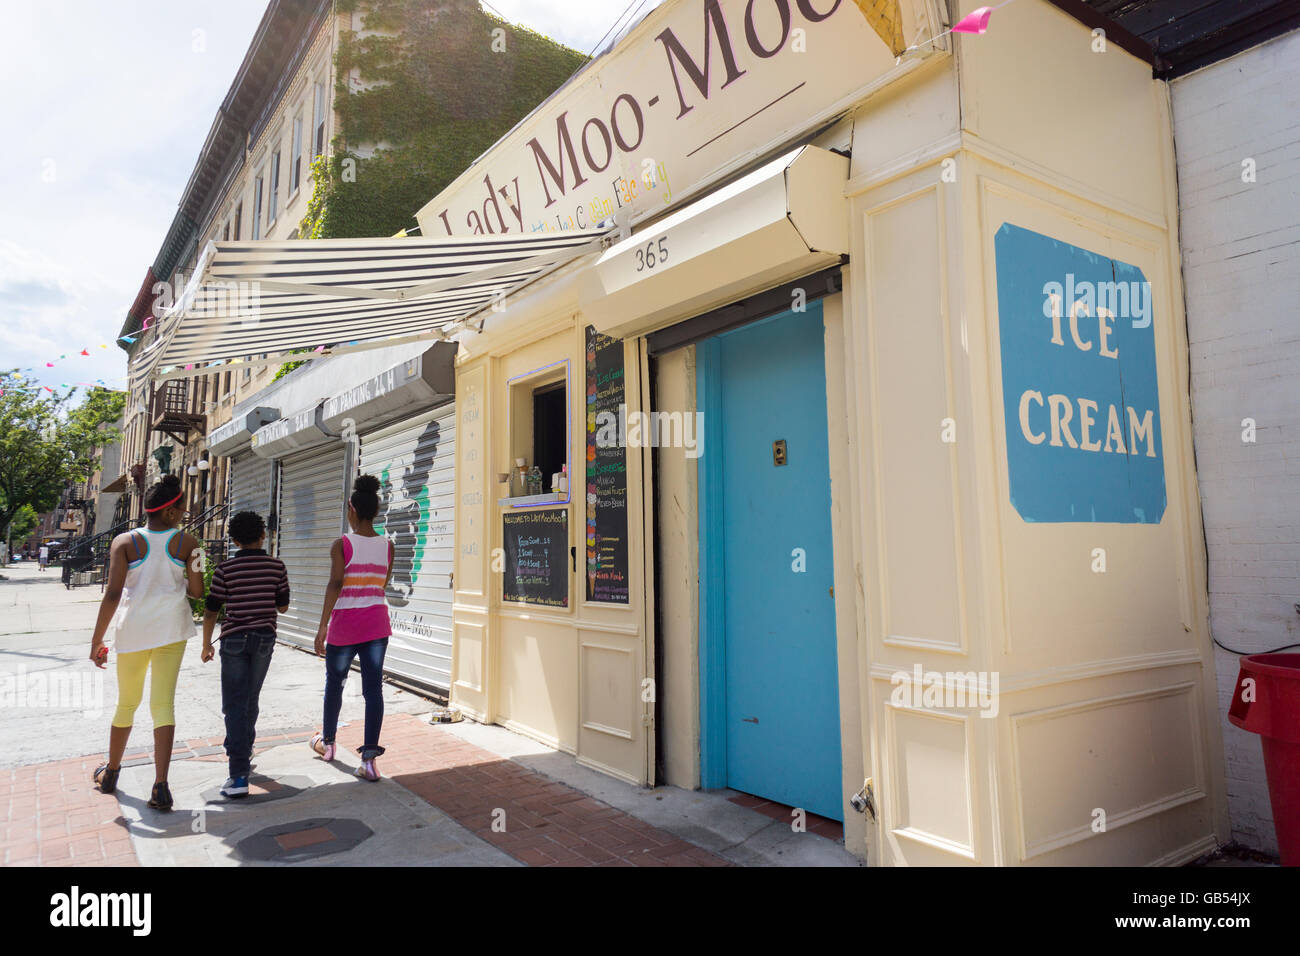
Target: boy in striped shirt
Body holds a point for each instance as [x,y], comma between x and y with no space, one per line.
[253,588]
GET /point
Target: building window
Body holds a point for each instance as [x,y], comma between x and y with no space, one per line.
[539,429]
[239,220]
[295,157]
[257,207]
[318,121]
[275,187]
[549,430]
[225,232]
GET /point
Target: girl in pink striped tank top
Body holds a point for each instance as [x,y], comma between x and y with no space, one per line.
[354,623]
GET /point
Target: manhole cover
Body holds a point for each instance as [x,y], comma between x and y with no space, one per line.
[303,840]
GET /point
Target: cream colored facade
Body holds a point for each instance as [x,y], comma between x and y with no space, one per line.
[1104,748]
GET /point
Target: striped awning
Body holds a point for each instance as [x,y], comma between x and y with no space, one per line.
[272,298]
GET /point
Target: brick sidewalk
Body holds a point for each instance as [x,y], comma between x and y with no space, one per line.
[546,823]
[55,816]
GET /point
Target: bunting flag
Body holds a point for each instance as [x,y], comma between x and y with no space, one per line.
[886,19]
[976,21]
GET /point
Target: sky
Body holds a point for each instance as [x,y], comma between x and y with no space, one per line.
[105,109]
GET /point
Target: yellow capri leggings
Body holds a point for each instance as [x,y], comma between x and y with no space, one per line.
[131,667]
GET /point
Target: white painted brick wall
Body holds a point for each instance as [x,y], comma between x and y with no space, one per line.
[1241,267]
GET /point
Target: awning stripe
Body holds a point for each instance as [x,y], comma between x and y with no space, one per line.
[271,297]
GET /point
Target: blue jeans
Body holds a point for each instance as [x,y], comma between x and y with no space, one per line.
[338,660]
[245,658]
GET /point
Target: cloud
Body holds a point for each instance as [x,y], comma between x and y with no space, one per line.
[27,294]
[579,24]
[114,109]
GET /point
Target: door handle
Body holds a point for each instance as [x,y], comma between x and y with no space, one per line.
[750,720]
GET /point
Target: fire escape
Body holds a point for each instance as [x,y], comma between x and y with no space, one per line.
[172,411]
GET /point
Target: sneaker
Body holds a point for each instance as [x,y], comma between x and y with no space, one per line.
[235,787]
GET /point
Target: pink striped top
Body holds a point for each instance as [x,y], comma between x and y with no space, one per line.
[361,612]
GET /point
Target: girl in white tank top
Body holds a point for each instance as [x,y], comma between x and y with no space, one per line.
[155,608]
[145,615]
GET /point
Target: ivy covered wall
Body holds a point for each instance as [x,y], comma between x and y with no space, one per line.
[448,89]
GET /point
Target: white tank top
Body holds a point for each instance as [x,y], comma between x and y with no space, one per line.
[154,610]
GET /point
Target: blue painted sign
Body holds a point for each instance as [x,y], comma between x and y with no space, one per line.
[1079,385]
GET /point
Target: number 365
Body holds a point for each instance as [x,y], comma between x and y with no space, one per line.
[652,254]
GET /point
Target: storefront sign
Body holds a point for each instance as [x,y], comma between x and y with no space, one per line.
[239,430]
[536,557]
[1080,393]
[367,391]
[695,90]
[606,499]
[291,433]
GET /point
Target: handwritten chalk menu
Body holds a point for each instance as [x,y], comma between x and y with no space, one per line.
[537,557]
[606,499]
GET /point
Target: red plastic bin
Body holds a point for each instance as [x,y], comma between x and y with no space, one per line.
[1274,714]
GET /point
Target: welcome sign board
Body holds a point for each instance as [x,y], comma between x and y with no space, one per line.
[697,88]
[1080,395]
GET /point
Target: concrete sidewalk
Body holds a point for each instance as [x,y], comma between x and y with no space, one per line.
[454,795]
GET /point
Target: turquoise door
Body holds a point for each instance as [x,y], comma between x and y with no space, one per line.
[768,565]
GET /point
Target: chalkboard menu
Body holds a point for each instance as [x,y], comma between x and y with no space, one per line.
[606,498]
[537,557]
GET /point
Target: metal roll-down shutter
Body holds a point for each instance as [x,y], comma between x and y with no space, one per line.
[415,463]
[312,493]
[252,488]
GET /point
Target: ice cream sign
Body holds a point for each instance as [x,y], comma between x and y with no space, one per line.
[1080,393]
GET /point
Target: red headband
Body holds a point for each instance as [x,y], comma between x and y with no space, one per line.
[166,504]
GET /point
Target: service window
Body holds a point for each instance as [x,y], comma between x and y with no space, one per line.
[540,433]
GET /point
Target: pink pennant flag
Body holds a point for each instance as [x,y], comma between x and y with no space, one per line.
[189,367]
[976,22]
[84,352]
[49,365]
[319,348]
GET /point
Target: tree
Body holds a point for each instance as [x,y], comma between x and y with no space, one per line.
[45,442]
[90,426]
[22,524]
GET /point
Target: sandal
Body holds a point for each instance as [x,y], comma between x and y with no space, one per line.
[326,750]
[161,798]
[367,770]
[106,777]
